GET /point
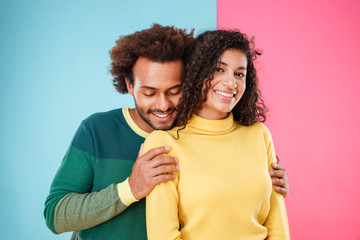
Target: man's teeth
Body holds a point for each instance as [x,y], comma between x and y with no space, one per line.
[224,94]
[161,115]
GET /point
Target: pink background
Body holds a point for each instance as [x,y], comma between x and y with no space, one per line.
[309,74]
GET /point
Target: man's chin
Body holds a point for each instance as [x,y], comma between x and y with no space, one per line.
[159,124]
[162,126]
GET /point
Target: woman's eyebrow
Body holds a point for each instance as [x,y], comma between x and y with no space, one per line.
[223,63]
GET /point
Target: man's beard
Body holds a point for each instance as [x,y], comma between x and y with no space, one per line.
[144,114]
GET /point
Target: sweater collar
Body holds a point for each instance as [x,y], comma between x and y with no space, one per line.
[211,127]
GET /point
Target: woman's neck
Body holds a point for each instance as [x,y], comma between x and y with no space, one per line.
[211,115]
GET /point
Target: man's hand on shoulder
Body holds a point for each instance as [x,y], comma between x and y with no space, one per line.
[151,169]
[279,179]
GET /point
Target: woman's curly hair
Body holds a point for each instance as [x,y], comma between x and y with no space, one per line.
[158,44]
[200,70]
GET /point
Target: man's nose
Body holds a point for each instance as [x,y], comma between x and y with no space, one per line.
[163,103]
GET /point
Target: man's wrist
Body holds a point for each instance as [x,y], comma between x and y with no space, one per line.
[125,194]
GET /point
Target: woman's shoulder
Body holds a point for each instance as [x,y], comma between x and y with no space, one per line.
[257,127]
[261,126]
[160,134]
[159,138]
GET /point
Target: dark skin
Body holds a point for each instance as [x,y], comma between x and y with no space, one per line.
[151,169]
[279,179]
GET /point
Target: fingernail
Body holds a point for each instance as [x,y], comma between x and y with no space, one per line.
[167,148]
[276,165]
[271,173]
[177,168]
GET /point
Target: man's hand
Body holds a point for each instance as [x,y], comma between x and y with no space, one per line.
[151,169]
[279,179]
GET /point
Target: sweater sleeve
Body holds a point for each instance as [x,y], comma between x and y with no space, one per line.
[162,203]
[276,222]
[71,205]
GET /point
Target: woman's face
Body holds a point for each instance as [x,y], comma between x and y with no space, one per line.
[227,87]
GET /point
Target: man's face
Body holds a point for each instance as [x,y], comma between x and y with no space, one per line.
[156,91]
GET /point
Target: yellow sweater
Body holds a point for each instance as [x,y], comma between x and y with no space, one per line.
[223,190]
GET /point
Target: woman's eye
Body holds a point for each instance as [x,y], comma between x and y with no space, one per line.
[219,70]
[239,74]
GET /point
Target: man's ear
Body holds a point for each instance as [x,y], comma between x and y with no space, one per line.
[129,87]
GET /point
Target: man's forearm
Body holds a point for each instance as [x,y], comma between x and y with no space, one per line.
[77,211]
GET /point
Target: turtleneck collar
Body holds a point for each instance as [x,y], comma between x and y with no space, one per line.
[205,126]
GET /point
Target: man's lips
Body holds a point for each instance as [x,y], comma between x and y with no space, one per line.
[162,117]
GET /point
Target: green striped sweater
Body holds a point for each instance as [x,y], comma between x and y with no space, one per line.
[83,195]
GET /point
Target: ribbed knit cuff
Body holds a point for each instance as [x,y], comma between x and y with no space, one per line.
[125,194]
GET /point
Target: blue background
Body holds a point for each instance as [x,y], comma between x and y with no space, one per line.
[54,72]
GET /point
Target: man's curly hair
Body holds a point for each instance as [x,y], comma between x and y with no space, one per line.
[200,70]
[158,44]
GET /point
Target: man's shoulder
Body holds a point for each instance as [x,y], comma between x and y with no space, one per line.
[114,114]
[98,124]
[107,135]
[104,124]
[105,120]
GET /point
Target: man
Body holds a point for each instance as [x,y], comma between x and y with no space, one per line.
[99,190]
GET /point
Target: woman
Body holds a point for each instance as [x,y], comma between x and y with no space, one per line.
[223,190]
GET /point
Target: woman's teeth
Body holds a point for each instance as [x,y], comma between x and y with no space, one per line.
[224,94]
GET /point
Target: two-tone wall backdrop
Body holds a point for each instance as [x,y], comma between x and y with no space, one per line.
[54,65]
